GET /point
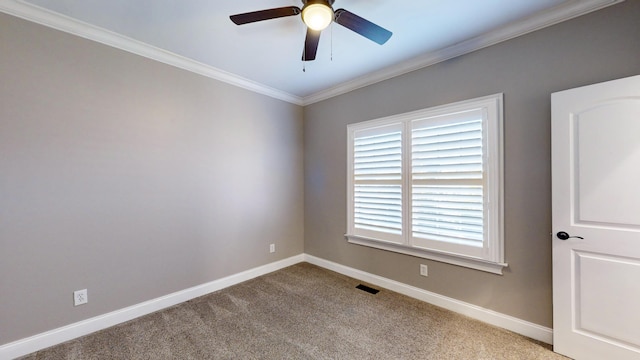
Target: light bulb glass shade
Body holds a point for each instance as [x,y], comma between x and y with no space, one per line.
[317,16]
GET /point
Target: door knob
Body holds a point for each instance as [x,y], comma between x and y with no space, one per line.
[564,236]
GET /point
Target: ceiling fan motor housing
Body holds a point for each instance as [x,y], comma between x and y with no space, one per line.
[317,14]
[326,2]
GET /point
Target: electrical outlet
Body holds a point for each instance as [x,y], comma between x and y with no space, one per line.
[80,297]
[424,271]
[272,248]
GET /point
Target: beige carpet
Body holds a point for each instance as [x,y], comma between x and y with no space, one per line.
[301,312]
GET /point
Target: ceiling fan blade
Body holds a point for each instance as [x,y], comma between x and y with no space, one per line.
[311,45]
[362,26]
[241,19]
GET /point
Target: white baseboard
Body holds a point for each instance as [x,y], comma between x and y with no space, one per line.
[511,323]
[57,336]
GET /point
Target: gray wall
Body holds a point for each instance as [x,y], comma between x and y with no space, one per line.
[593,48]
[131,178]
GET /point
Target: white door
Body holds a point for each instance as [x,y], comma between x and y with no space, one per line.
[596,196]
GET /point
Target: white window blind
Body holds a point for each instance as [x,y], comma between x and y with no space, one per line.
[447,181]
[429,183]
[377,179]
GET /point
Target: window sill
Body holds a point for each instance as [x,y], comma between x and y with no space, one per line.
[477,264]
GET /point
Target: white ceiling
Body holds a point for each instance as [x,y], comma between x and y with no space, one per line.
[266,56]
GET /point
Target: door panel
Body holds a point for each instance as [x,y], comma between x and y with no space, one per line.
[600,312]
[596,199]
[606,165]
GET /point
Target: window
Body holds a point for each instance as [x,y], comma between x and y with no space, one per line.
[429,183]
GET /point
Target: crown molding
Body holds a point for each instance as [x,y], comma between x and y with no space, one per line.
[555,15]
[69,25]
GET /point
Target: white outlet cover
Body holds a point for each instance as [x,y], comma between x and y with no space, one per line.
[424,270]
[80,297]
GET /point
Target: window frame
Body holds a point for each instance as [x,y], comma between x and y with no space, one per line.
[491,256]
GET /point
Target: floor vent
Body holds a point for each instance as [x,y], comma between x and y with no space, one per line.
[367,289]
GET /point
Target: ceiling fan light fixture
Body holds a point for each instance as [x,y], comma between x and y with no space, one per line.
[317,16]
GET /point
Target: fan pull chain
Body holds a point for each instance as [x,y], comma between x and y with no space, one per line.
[304,57]
[331,36]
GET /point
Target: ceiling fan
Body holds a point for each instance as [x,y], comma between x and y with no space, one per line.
[317,15]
